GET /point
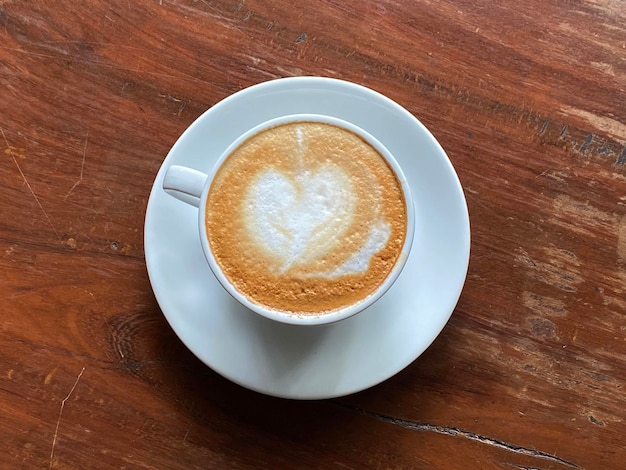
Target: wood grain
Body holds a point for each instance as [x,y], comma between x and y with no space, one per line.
[528,100]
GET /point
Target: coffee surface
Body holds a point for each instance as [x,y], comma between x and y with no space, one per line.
[306,217]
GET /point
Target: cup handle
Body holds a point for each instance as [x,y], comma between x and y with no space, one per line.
[185,184]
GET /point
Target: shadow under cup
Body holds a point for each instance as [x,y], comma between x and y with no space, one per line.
[249,215]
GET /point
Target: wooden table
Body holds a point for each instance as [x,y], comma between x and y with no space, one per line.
[527,98]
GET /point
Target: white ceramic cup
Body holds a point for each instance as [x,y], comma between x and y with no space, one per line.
[192,187]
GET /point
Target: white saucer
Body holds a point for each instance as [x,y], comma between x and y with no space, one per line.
[311,362]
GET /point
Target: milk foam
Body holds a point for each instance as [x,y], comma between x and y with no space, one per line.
[299,218]
[377,240]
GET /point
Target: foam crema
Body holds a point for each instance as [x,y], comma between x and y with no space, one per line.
[306,217]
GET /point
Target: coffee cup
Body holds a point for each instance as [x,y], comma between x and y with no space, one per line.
[304,219]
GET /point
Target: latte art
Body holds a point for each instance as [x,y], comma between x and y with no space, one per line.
[301,218]
[359,262]
[306,217]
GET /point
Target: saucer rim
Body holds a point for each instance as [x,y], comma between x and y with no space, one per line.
[320,83]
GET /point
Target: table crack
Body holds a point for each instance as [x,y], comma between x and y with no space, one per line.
[457,432]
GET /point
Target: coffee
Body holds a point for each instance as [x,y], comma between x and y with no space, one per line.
[306,218]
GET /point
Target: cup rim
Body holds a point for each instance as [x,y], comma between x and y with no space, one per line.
[322,318]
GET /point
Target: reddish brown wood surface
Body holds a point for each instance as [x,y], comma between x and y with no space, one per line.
[527,98]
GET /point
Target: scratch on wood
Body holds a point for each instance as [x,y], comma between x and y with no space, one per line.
[610,126]
[56,431]
[585,145]
[544,306]
[621,159]
[456,432]
[543,173]
[5,16]
[596,421]
[48,378]
[621,240]
[28,184]
[119,350]
[82,169]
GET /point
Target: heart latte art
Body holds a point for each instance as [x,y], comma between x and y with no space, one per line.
[297,219]
[306,217]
